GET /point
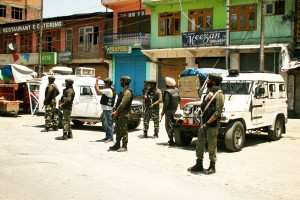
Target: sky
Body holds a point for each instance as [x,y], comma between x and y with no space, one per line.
[56,8]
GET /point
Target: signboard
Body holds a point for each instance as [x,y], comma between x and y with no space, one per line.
[31,27]
[118,49]
[49,58]
[64,57]
[204,38]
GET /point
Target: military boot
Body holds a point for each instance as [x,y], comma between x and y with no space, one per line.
[171,142]
[70,135]
[46,129]
[64,137]
[211,169]
[155,135]
[115,147]
[198,167]
[145,135]
[55,128]
[123,148]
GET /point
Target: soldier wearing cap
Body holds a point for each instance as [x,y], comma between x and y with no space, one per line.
[107,103]
[122,109]
[152,99]
[51,118]
[171,99]
[66,104]
[212,107]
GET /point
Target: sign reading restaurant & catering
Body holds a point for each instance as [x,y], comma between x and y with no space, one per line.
[31,27]
[204,38]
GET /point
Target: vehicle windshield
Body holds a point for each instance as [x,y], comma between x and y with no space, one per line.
[236,87]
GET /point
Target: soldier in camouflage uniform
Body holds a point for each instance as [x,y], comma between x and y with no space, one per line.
[66,104]
[51,117]
[212,107]
[171,99]
[121,115]
[152,99]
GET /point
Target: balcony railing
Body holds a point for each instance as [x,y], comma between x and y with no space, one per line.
[132,39]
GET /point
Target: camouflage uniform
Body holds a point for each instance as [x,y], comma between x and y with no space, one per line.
[211,107]
[51,117]
[66,104]
[122,109]
[152,111]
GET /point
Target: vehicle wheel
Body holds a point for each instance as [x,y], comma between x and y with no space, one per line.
[77,122]
[102,118]
[181,138]
[278,130]
[235,136]
[134,124]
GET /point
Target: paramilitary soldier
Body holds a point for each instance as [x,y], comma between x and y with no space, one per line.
[51,118]
[212,107]
[152,99]
[66,104]
[171,99]
[121,115]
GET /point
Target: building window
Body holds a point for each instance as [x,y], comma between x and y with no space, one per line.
[88,37]
[132,13]
[26,43]
[276,8]
[69,39]
[2,11]
[5,41]
[51,41]
[243,17]
[201,19]
[16,13]
[169,24]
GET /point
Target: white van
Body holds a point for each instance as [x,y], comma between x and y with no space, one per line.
[254,103]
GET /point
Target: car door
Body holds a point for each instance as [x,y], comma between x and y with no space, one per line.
[86,103]
[259,102]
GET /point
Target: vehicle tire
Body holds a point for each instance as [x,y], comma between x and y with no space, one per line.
[134,124]
[102,119]
[181,138]
[278,129]
[235,136]
[77,122]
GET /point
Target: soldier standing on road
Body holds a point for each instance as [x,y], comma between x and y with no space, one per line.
[107,103]
[121,115]
[171,99]
[152,99]
[66,104]
[51,118]
[212,107]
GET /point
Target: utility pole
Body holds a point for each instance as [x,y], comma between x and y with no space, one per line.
[262,37]
[227,35]
[41,42]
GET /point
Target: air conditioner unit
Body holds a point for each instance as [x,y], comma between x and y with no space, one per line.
[85,71]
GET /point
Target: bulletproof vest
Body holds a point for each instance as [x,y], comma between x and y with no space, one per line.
[53,94]
[153,96]
[109,101]
[119,100]
[174,100]
[209,111]
[65,95]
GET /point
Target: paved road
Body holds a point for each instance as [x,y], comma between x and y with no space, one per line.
[33,165]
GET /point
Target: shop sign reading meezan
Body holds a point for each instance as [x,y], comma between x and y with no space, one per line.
[204,38]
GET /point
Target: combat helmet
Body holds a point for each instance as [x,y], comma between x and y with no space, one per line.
[125,79]
[214,77]
[108,81]
[51,79]
[69,82]
[152,82]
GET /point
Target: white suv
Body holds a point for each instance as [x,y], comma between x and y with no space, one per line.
[254,103]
